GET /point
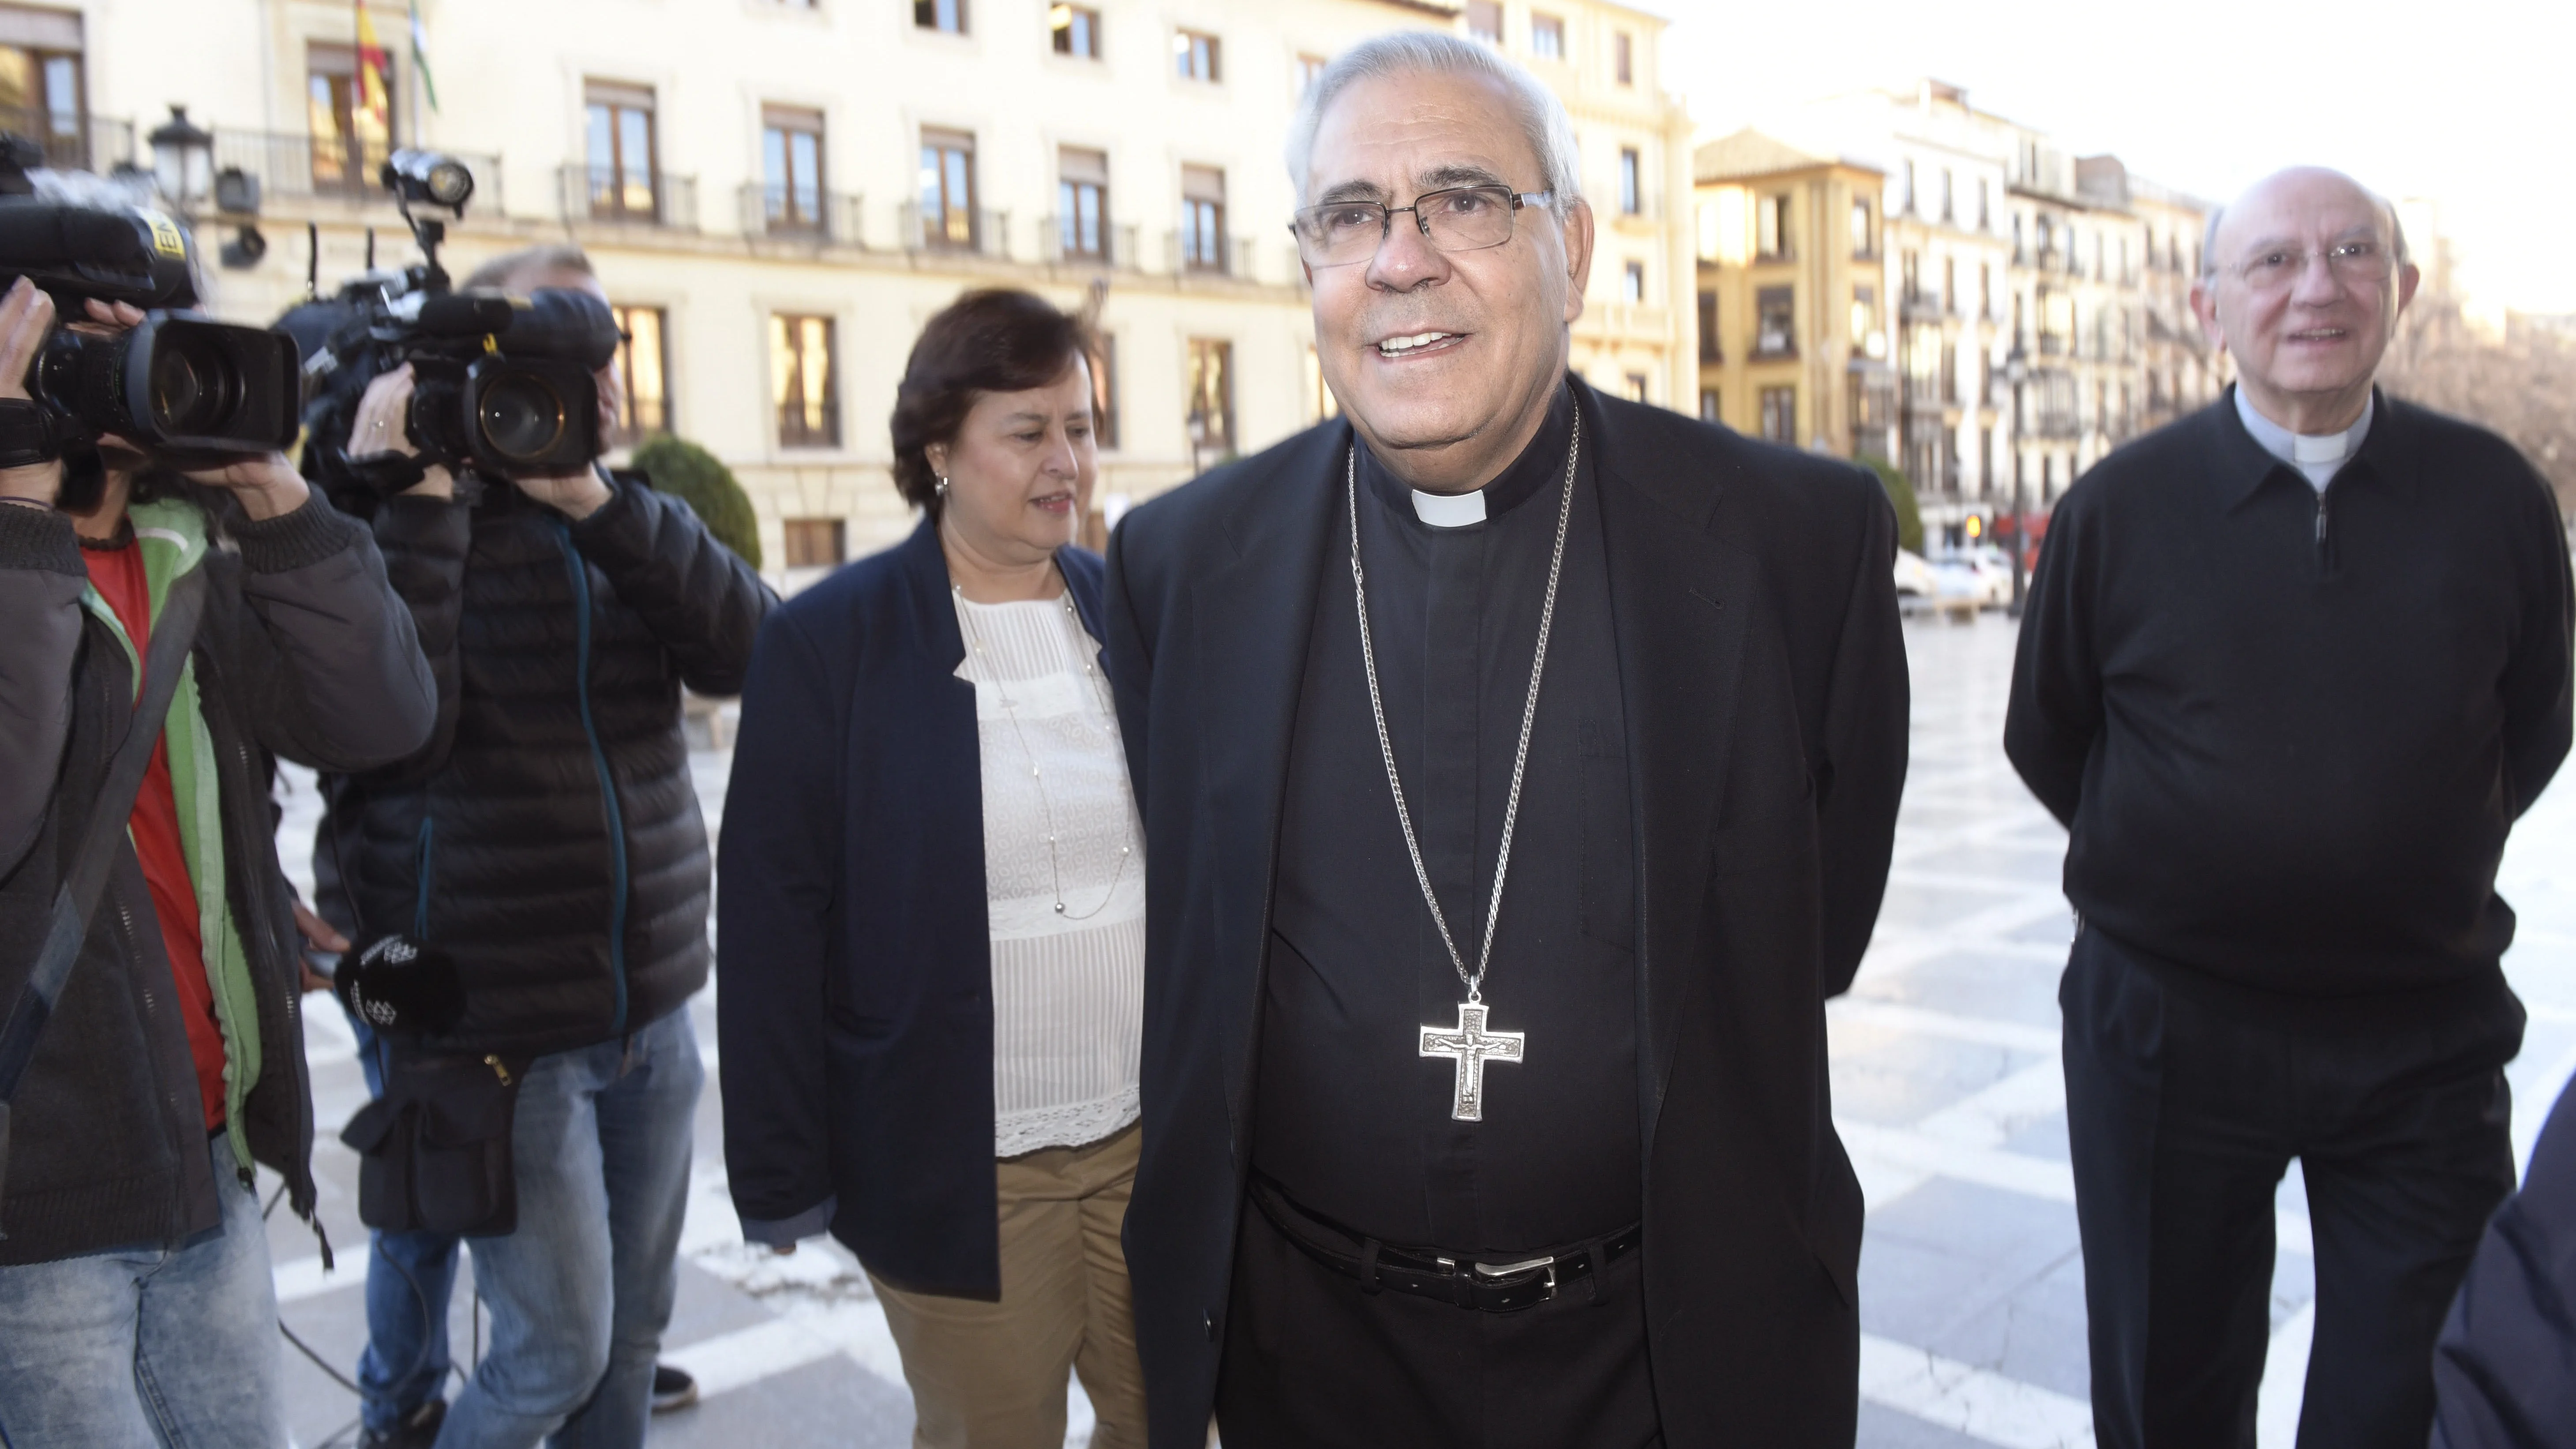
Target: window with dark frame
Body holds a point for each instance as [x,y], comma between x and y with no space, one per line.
[1211,397]
[1547,37]
[1632,181]
[1862,239]
[816,543]
[1709,351]
[1950,298]
[1637,382]
[1623,59]
[1203,218]
[1485,21]
[1864,316]
[1632,283]
[1708,412]
[1772,238]
[791,164]
[625,172]
[1775,322]
[43,90]
[945,16]
[643,374]
[1195,54]
[1780,414]
[350,141]
[1074,30]
[948,189]
[1082,203]
[802,388]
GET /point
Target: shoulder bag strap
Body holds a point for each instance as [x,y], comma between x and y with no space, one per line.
[173,635]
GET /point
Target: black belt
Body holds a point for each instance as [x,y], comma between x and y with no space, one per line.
[1496,1285]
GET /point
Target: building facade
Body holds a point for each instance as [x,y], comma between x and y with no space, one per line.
[777,193]
[2042,301]
[1793,316]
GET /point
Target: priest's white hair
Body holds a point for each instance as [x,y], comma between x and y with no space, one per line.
[1429,52]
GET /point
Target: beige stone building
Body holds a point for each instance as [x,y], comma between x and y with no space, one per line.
[1793,314]
[778,192]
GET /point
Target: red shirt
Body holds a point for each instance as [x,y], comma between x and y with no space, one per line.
[118,576]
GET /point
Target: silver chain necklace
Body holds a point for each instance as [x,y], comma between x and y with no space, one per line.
[1046,803]
[1469,1043]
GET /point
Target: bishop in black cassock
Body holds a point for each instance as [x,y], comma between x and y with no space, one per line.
[1604,1204]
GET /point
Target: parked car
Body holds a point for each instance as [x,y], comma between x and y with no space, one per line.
[1975,575]
[1914,577]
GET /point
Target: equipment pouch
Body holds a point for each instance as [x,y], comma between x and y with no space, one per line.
[434,1150]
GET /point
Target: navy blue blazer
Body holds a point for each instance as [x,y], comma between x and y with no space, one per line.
[852,948]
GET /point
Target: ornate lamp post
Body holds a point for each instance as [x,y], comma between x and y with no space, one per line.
[183,160]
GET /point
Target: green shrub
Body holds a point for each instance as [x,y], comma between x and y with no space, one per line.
[1909,519]
[695,477]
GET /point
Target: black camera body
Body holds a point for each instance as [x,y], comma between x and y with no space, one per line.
[178,383]
[503,385]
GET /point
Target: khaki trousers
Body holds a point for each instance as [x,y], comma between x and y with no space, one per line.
[992,1375]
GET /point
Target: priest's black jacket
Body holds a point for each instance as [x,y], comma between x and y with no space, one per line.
[1762,673]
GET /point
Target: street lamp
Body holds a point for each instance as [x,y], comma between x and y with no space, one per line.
[2017,371]
[183,160]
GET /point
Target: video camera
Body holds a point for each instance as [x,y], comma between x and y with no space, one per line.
[178,383]
[503,385]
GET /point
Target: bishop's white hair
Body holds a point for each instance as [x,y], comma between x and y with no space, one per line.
[1429,52]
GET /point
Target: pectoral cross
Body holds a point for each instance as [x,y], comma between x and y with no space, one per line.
[1471,1046]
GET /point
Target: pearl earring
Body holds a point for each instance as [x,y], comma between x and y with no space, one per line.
[942,488]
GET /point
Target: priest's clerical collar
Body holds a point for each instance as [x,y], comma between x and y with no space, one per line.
[2317,456]
[1539,463]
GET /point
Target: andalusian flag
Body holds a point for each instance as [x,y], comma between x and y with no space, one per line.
[420,56]
[373,68]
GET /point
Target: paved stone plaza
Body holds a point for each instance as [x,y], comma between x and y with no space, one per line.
[1946,1085]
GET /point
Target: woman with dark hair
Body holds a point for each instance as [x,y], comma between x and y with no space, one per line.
[931,907]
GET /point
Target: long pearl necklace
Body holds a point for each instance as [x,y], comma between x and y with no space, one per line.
[1046,802]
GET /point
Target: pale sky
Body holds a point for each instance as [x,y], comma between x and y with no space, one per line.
[2469,102]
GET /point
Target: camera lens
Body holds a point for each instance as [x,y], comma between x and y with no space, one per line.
[195,388]
[521,417]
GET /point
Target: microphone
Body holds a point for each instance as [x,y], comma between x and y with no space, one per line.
[401,987]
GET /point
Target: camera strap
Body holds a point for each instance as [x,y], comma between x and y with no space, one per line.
[28,433]
[174,634]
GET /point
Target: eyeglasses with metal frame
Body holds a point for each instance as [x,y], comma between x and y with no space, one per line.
[2354,263]
[1456,219]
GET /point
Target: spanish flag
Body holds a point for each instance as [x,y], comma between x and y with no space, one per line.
[373,69]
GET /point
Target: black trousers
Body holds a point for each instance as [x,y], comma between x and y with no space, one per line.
[2182,1119]
[1311,1362]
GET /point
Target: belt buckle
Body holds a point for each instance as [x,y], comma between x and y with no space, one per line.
[1492,1271]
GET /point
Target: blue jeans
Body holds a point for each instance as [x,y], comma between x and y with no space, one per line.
[148,1347]
[410,1277]
[581,1292]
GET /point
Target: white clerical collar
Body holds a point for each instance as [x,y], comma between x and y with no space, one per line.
[1449,510]
[2317,455]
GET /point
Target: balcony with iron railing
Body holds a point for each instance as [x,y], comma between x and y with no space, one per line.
[959,230]
[629,197]
[802,214]
[1199,255]
[335,168]
[809,425]
[1066,242]
[71,141]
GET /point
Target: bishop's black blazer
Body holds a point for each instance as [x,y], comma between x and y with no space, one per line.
[1763,676]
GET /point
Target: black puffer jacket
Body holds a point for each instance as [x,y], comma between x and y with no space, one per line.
[549,835]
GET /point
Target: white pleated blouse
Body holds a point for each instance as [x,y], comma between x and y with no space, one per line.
[1069,983]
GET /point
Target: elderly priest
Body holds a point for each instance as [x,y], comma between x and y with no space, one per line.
[1519,765]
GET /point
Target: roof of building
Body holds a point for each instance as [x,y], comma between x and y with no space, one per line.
[1750,153]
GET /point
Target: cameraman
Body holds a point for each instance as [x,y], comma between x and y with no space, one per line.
[548,841]
[135,1297]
